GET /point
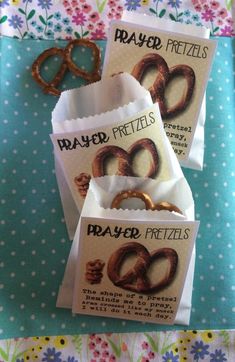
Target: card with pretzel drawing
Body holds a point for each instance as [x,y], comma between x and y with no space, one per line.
[132,144]
[174,67]
[136,264]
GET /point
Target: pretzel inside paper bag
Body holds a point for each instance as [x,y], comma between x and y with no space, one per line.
[149,204]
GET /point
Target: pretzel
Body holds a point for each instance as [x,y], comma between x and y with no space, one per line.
[90,76]
[123,195]
[149,145]
[98,168]
[164,76]
[136,279]
[164,205]
[50,87]
[125,158]
[149,204]
[149,60]
[159,95]
[82,183]
[94,271]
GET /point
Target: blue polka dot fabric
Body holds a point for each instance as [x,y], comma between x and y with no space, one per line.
[34,245]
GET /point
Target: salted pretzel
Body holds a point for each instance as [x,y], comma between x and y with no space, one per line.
[136,278]
[149,204]
[50,87]
[125,158]
[164,76]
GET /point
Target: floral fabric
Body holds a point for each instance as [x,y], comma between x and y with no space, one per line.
[216,346]
[68,19]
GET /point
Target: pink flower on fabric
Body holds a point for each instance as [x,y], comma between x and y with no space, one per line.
[91,345]
[69,11]
[229,21]
[112,358]
[105,354]
[208,15]
[220,22]
[98,34]
[94,17]
[227,31]
[151,355]
[104,344]
[98,340]
[195,2]
[144,359]
[110,16]
[79,18]
[222,13]
[198,8]
[118,15]
[214,5]
[66,3]
[101,25]
[145,345]
[90,26]
[96,353]
[74,3]
[86,8]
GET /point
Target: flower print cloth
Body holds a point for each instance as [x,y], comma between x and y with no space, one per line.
[171,346]
[68,19]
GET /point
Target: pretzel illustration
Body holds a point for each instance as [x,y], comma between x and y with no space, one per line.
[50,87]
[149,204]
[94,269]
[82,183]
[136,278]
[125,158]
[164,76]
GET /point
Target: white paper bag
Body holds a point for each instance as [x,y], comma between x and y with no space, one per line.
[178,45]
[101,192]
[127,126]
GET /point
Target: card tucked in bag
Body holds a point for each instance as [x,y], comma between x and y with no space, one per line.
[136,264]
[174,66]
[109,127]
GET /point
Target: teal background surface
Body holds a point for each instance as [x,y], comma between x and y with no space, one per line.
[33,241]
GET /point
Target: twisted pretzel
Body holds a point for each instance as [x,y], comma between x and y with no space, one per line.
[149,204]
[50,87]
[164,76]
[125,158]
[136,279]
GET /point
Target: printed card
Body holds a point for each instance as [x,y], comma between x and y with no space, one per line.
[134,147]
[132,270]
[173,67]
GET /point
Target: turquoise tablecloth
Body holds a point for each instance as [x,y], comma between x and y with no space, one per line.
[34,245]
